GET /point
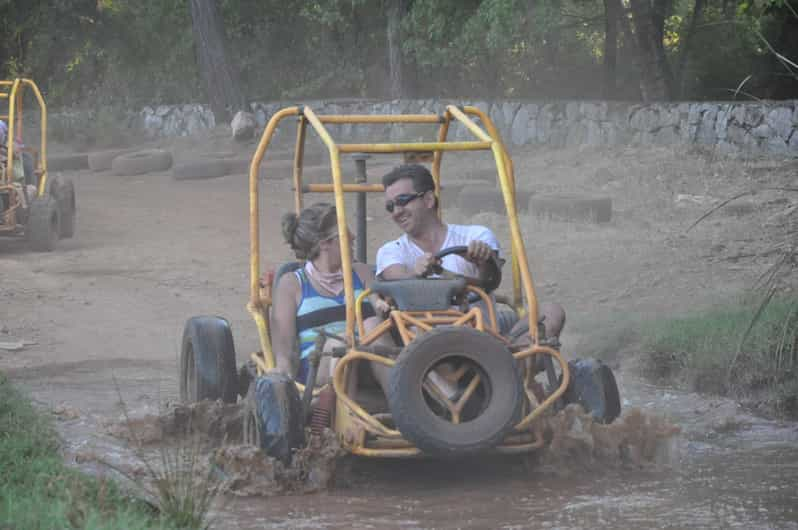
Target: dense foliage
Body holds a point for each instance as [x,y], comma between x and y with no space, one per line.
[130,52]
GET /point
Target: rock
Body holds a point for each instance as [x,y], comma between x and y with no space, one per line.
[194,123]
[152,124]
[576,134]
[595,111]
[780,120]
[794,143]
[706,128]
[722,122]
[754,115]
[670,117]
[777,145]
[593,136]
[509,110]
[694,115]
[645,119]
[520,127]
[544,123]
[65,412]
[762,131]
[572,111]
[666,136]
[261,118]
[243,125]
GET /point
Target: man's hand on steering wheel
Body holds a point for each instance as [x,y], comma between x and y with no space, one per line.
[478,252]
[427,264]
[489,265]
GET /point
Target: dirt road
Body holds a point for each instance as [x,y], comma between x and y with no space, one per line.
[106,310]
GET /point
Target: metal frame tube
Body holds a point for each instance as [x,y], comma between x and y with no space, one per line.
[414,147]
[343,233]
[255,305]
[376,118]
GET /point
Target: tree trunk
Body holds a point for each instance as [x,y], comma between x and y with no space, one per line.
[396,9]
[611,14]
[698,10]
[222,86]
[656,83]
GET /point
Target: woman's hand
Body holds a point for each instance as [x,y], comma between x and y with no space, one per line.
[382,307]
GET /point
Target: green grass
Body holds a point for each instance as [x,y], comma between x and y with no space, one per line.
[37,491]
[737,350]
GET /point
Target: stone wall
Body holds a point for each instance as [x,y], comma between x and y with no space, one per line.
[744,128]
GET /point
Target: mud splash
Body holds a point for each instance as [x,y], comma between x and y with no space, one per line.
[575,442]
[247,472]
[634,441]
[215,428]
[215,422]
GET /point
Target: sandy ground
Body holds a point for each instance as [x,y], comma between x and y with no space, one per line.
[103,314]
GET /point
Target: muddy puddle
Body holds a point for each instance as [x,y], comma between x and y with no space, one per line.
[674,460]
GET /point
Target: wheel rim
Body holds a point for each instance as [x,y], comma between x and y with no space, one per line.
[472,387]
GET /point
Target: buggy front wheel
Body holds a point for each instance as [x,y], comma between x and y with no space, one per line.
[208,361]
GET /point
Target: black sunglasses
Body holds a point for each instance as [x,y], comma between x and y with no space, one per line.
[403,200]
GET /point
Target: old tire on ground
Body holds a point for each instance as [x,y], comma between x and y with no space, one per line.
[451,188]
[500,384]
[67,208]
[475,199]
[102,160]
[44,224]
[593,386]
[140,162]
[273,416]
[67,162]
[208,361]
[481,198]
[572,207]
[200,169]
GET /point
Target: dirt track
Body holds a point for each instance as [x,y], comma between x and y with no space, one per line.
[109,305]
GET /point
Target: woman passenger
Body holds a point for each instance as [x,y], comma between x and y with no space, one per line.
[313,295]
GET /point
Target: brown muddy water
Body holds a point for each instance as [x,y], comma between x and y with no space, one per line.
[727,469]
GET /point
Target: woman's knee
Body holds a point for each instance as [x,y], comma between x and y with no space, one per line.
[554,319]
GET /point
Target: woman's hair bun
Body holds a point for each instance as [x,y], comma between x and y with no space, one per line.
[290,222]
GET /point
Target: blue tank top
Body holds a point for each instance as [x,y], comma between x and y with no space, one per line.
[319,311]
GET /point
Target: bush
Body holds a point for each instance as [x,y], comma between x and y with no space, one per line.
[741,351]
[38,491]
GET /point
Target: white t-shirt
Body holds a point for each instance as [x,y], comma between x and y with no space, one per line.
[403,251]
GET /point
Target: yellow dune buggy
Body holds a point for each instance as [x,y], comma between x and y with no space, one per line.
[32,204]
[508,374]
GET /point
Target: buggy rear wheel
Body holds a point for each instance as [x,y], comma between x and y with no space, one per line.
[207,361]
[68,210]
[487,401]
[593,386]
[44,224]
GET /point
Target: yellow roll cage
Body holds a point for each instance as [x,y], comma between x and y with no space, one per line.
[12,92]
[525,437]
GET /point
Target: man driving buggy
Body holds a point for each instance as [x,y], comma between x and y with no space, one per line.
[410,200]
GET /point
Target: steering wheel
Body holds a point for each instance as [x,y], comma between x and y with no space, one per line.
[491,276]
